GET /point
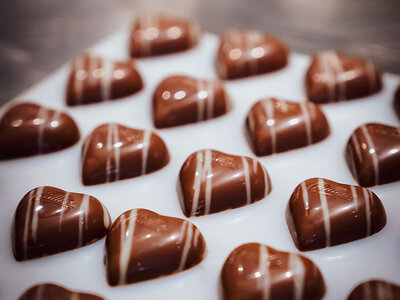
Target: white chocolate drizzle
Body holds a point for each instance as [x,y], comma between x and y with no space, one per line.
[42,117]
[63,207]
[372,151]
[109,151]
[187,246]
[197,182]
[39,292]
[196,237]
[145,149]
[202,174]
[201,86]
[357,147]
[74,296]
[266,181]
[117,154]
[269,113]
[83,217]
[35,215]
[337,72]
[79,66]
[264,282]
[207,176]
[367,198]
[107,78]
[307,121]
[126,243]
[296,267]
[210,98]
[106,219]
[325,211]
[246,174]
[26,223]
[355,197]
[305,196]
[328,73]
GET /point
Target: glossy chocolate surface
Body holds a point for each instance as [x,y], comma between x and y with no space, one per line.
[245,53]
[275,125]
[334,77]
[373,154]
[180,100]
[323,213]
[396,102]
[94,79]
[142,245]
[255,271]
[50,291]
[113,152]
[27,129]
[375,290]
[49,220]
[211,181]
[159,34]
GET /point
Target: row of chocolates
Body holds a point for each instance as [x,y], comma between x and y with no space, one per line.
[142,245]
[113,152]
[331,76]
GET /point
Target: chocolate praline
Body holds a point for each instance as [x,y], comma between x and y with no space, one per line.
[274,125]
[396,102]
[50,291]
[142,245]
[28,129]
[180,100]
[211,181]
[334,76]
[161,34]
[49,220]
[323,213]
[256,271]
[375,289]
[373,154]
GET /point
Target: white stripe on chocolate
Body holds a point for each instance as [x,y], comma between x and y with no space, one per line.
[39,292]
[255,165]
[269,113]
[305,196]
[266,181]
[207,178]
[35,216]
[246,175]
[355,197]
[42,118]
[126,244]
[145,23]
[307,122]
[201,87]
[187,246]
[210,98]
[197,181]
[106,219]
[325,211]
[297,269]
[372,151]
[117,149]
[63,207]
[107,78]
[327,71]
[74,296]
[109,152]
[367,291]
[145,149]
[383,291]
[26,224]
[196,237]
[338,72]
[367,199]
[264,281]
[251,40]
[78,68]
[371,76]
[83,218]
[357,146]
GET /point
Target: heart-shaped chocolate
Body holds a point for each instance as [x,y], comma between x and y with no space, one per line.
[245,53]
[255,271]
[396,102]
[49,220]
[27,129]
[113,152]
[142,245]
[323,213]
[94,79]
[211,181]
[275,125]
[375,290]
[159,34]
[50,291]
[181,100]
[335,77]
[373,154]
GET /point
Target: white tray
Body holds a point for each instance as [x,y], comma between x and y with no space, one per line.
[342,266]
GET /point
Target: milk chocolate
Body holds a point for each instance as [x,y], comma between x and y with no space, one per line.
[334,77]
[49,220]
[95,79]
[114,152]
[142,245]
[373,154]
[180,100]
[275,125]
[50,291]
[256,271]
[396,102]
[245,53]
[376,290]
[211,181]
[323,213]
[27,129]
[160,34]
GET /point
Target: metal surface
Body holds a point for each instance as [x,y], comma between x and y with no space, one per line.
[38,36]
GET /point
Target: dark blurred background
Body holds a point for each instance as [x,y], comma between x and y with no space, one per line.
[37,36]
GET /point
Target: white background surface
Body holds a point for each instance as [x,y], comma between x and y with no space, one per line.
[343,266]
